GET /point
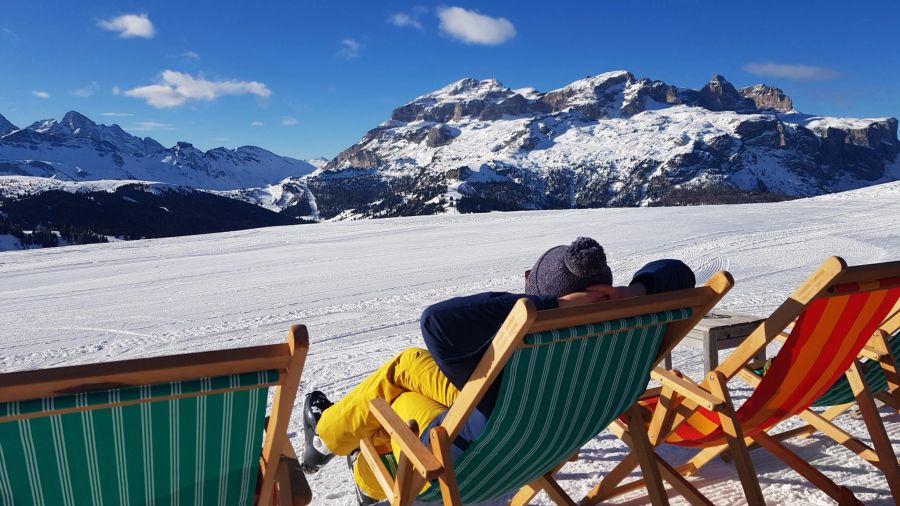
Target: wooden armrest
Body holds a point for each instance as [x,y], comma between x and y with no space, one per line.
[422,459]
[686,388]
[293,489]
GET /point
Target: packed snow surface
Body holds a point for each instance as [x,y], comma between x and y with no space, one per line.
[360,287]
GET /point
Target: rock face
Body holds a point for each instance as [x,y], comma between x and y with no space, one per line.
[77,149]
[767,98]
[6,127]
[606,140]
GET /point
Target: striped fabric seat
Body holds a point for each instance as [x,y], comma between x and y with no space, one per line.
[557,393]
[193,442]
[841,393]
[827,337]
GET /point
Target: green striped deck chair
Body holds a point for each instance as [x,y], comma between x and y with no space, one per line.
[186,429]
[566,374]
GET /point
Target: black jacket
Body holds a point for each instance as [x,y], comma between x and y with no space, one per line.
[457,331]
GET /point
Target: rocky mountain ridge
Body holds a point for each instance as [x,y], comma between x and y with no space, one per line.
[606,140]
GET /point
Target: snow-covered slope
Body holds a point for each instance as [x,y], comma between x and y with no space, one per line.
[361,286]
[606,140]
[77,149]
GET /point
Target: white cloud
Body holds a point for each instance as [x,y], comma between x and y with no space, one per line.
[116,90]
[129,25]
[41,94]
[87,91]
[404,20]
[176,88]
[257,123]
[796,72]
[288,121]
[192,55]
[148,126]
[116,114]
[349,49]
[473,27]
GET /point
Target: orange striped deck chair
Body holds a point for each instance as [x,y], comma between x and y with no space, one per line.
[880,371]
[834,313]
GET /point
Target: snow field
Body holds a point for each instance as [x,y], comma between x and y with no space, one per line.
[360,287]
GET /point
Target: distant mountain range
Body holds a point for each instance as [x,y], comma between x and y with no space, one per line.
[474,145]
[77,149]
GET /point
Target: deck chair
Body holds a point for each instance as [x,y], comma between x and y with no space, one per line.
[565,373]
[184,429]
[878,365]
[834,313]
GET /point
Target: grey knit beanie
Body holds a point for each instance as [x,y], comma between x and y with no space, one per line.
[567,269]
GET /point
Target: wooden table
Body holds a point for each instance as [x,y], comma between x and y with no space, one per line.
[719,330]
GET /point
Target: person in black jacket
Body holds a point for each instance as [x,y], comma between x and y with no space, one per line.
[422,384]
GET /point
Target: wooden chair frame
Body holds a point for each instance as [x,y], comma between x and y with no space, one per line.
[882,455]
[280,478]
[418,464]
[686,396]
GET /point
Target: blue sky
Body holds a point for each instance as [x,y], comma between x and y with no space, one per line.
[309,78]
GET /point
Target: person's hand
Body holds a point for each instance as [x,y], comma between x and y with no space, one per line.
[581,298]
[619,292]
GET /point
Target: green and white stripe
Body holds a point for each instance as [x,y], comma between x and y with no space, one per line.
[104,454]
[555,398]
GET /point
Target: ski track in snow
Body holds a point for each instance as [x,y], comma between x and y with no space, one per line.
[360,287]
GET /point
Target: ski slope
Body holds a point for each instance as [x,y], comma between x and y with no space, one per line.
[360,287]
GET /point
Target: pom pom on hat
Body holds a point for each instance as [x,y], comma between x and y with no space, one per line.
[585,258]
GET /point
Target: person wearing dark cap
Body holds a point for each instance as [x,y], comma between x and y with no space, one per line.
[421,384]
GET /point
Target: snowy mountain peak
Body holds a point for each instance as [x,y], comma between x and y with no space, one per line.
[605,140]
[77,121]
[78,149]
[42,125]
[6,127]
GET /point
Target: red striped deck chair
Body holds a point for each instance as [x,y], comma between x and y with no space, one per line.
[834,314]
[880,371]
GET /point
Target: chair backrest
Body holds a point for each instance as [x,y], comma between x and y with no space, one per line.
[185,429]
[559,389]
[137,445]
[837,310]
[842,393]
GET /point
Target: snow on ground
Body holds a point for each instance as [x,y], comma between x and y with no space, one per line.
[360,287]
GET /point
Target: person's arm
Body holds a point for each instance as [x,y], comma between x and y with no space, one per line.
[656,277]
[456,329]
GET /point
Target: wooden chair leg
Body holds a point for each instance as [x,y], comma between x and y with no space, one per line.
[840,494]
[840,436]
[407,483]
[887,460]
[604,490]
[528,492]
[642,448]
[556,493]
[735,437]
[440,445]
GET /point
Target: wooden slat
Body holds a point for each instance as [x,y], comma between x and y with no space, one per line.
[276,438]
[686,388]
[645,456]
[301,494]
[440,445]
[887,459]
[17,386]
[804,468]
[382,475]
[735,437]
[615,309]
[870,272]
[409,443]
